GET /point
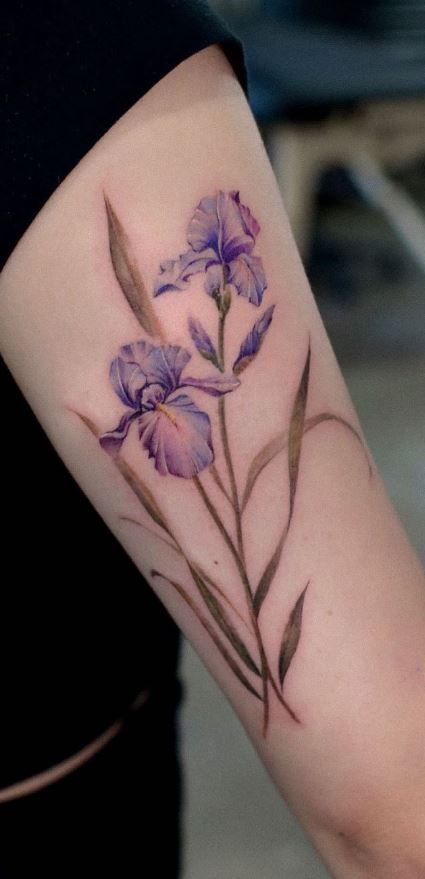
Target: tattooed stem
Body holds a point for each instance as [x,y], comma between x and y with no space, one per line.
[226,444]
[265,670]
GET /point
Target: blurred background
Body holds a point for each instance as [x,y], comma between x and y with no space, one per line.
[338,90]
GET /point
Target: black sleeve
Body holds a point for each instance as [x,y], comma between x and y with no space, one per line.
[70,70]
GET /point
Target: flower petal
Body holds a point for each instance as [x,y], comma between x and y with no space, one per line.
[203,231]
[252,227]
[247,274]
[159,364]
[112,441]
[236,234]
[178,436]
[253,341]
[127,379]
[202,341]
[175,273]
[214,385]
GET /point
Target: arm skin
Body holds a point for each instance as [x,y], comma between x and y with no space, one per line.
[353,767]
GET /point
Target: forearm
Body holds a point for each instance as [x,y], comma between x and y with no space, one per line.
[295,583]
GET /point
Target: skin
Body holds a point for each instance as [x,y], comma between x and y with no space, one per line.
[353,771]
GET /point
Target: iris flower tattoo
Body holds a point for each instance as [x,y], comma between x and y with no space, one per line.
[163,408]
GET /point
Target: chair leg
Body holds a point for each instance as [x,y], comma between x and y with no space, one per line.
[407,220]
[297,165]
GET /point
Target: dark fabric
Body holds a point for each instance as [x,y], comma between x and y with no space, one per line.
[69,69]
[81,633]
[116,816]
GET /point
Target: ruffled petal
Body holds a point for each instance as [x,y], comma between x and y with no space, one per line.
[252,227]
[247,275]
[112,441]
[127,379]
[213,385]
[175,273]
[235,234]
[159,364]
[204,231]
[178,436]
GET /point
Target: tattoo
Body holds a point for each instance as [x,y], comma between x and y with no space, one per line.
[160,401]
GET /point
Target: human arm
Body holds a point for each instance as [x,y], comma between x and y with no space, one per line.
[348,754]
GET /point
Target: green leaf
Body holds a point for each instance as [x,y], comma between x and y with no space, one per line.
[291,637]
[295,435]
[279,443]
[211,632]
[218,612]
[128,275]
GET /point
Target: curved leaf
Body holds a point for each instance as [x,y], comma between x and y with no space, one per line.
[138,487]
[295,435]
[128,275]
[217,611]
[279,443]
[291,637]
[211,632]
[219,482]
[296,431]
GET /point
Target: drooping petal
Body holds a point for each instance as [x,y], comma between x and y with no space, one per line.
[175,273]
[202,341]
[214,385]
[247,275]
[178,436]
[253,341]
[160,364]
[112,441]
[127,379]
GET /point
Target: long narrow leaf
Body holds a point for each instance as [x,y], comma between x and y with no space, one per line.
[211,632]
[291,637]
[295,435]
[279,443]
[138,487]
[296,431]
[218,613]
[153,533]
[219,482]
[223,595]
[128,275]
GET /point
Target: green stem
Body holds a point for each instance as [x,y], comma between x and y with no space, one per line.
[226,445]
[265,671]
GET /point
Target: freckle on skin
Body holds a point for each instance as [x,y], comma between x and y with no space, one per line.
[330,613]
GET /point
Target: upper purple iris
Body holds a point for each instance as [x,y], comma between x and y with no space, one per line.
[221,238]
[147,379]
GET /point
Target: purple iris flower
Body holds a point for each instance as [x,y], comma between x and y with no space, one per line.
[221,238]
[148,380]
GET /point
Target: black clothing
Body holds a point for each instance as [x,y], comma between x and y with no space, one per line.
[81,633]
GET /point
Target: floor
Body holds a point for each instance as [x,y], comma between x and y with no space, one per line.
[236,825]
